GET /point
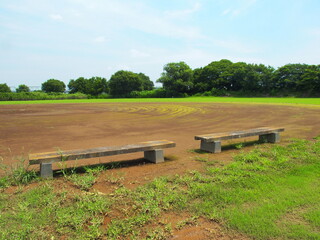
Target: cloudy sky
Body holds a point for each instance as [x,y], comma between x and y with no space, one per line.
[42,39]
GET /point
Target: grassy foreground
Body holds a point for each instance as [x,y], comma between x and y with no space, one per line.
[285,101]
[271,192]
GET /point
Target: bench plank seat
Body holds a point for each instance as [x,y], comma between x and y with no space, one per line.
[152,152]
[212,142]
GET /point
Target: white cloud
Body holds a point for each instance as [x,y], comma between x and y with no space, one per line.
[56,17]
[117,15]
[235,46]
[100,39]
[138,54]
[242,7]
[185,12]
[314,32]
[226,12]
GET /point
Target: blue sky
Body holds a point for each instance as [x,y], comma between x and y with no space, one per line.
[41,39]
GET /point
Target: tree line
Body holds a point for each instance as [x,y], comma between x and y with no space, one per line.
[219,78]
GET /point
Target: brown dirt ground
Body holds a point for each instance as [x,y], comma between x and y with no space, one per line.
[51,127]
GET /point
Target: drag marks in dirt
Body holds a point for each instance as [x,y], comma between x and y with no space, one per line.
[162,111]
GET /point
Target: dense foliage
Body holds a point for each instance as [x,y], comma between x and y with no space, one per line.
[122,83]
[4,88]
[218,78]
[15,96]
[92,86]
[23,88]
[53,85]
[177,78]
[221,77]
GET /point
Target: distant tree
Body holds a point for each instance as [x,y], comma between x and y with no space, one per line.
[53,85]
[93,86]
[4,88]
[256,78]
[78,85]
[288,76]
[22,88]
[310,79]
[177,78]
[216,75]
[97,85]
[122,83]
[147,84]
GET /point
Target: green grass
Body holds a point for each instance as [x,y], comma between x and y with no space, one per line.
[299,101]
[17,174]
[268,193]
[42,213]
[271,192]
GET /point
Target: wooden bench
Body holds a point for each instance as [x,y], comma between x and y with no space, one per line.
[212,142]
[152,152]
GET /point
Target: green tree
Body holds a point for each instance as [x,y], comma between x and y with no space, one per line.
[22,88]
[310,79]
[4,88]
[177,78]
[122,83]
[53,85]
[78,85]
[288,76]
[216,75]
[256,78]
[93,86]
[147,84]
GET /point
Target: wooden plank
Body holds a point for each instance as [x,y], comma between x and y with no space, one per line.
[50,157]
[237,134]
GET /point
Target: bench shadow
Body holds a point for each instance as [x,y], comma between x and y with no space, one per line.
[230,146]
[107,165]
[101,166]
[240,145]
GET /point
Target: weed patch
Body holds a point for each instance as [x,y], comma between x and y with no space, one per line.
[17,174]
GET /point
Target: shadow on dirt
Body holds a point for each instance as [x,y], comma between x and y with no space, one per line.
[230,146]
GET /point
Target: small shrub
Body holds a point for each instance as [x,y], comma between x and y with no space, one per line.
[82,181]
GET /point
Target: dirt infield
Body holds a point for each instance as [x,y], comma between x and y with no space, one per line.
[53,127]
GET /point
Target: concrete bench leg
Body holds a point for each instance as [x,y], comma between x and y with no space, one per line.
[155,156]
[213,147]
[46,170]
[271,138]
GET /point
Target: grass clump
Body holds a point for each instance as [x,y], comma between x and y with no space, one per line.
[81,216]
[85,180]
[17,174]
[43,213]
[143,205]
[27,216]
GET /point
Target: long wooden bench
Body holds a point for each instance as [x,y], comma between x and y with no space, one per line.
[212,142]
[153,151]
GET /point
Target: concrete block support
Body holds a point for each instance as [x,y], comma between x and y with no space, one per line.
[213,147]
[271,138]
[155,156]
[46,170]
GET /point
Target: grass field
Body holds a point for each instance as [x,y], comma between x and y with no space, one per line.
[303,101]
[271,192]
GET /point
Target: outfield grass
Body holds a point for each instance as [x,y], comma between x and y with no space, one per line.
[271,192]
[285,101]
